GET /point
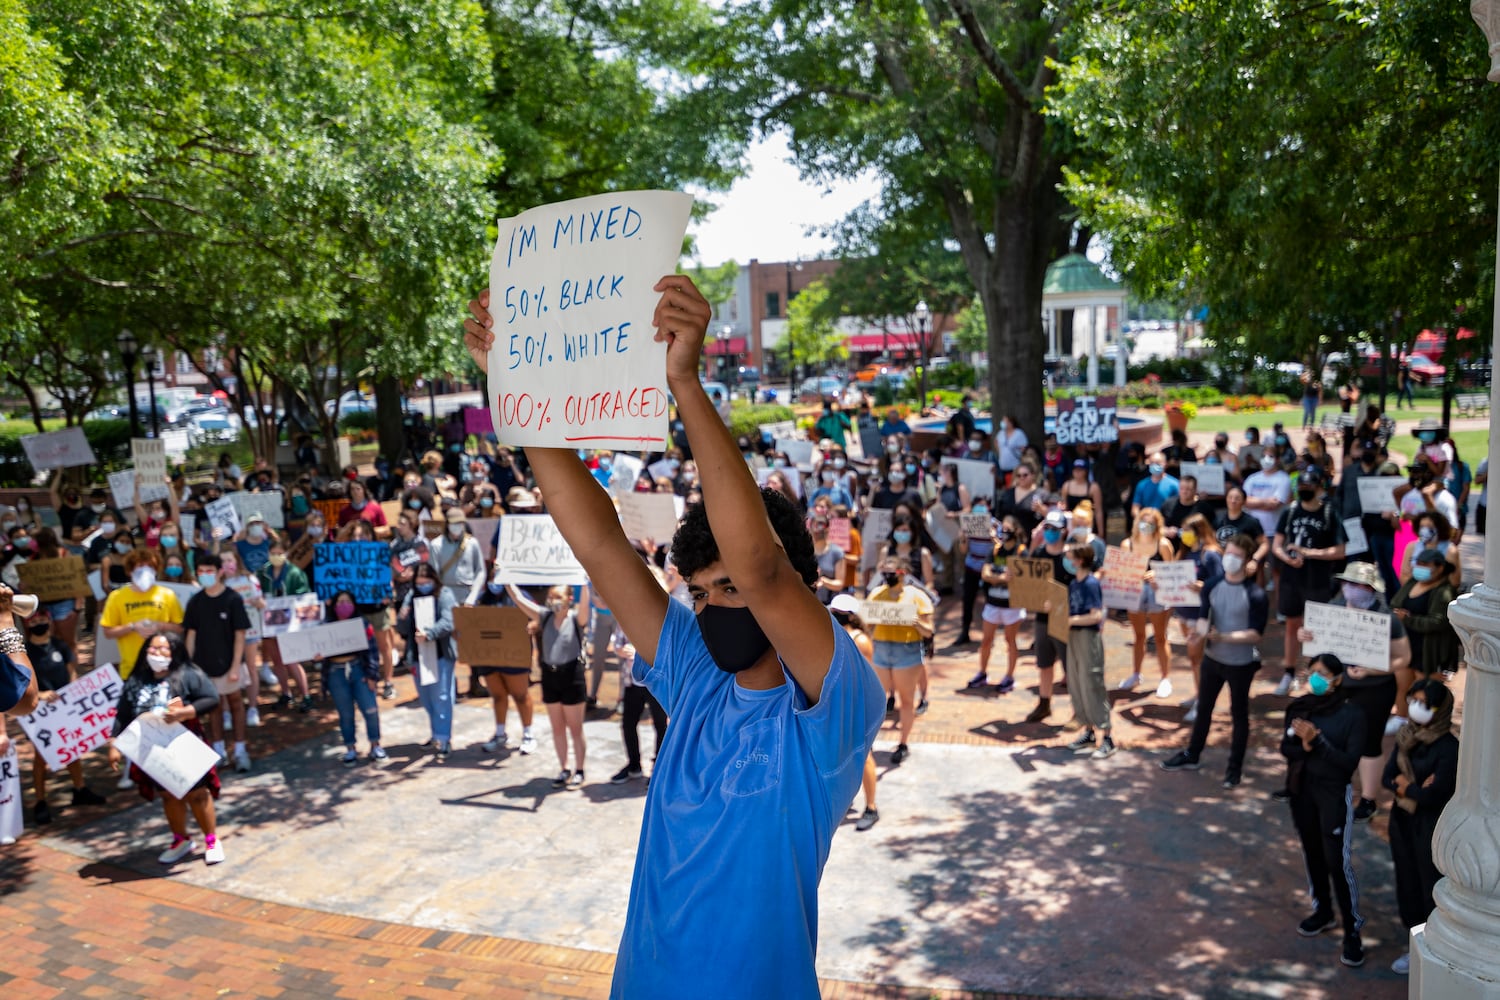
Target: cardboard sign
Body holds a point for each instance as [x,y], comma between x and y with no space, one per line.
[492,637]
[1359,638]
[300,554]
[1377,493]
[267,505]
[223,518]
[975,525]
[477,420]
[333,509]
[54,579]
[575,363]
[874,613]
[11,818]
[1355,530]
[291,614]
[1086,420]
[533,553]
[649,515]
[362,568]
[1210,477]
[941,528]
[64,449]
[1123,578]
[1028,582]
[1173,583]
[149,456]
[874,533]
[325,640]
[1057,619]
[777,431]
[799,453]
[167,751]
[838,532]
[977,477]
[78,722]
[624,471]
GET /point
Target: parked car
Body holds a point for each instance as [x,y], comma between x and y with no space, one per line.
[819,388]
[1424,371]
[874,370]
[215,426]
[748,374]
[352,401]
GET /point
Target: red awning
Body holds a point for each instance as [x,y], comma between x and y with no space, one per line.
[731,345]
[896,340]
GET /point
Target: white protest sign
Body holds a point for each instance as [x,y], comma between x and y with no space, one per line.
[975,525]
[874,613]
[623,475]
[10,796]
[176,444]
[291,614]
[977,477]
[940,527]
[1123,578]
[248,587]
[531,552]
[424,616]
[1376,493]
[1357,543]
[649,515]
[762,475]
[79,721]
[1210,477]
[189,523]
[167,751]
[323,640]
[62,449]
[874,531]
[662,470]
[182,591]
[575,363]
[149,456]
[1086,420]
[122,487]
[1173,583]
[222,516]
[1359,638]
[777,431]
[267,505]
[799,453]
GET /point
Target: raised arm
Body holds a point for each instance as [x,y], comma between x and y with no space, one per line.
[783,604]
[586,518]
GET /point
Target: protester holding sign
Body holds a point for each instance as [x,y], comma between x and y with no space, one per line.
[55,667]
[254,543]
[164,681]
[1147,539]
[62,611]
[1370,687]
[560,627]
[1309,546]
[350,679]
[1434,534]
[361,507]
[435,689]
[141,609]
[706,879]
[1085,665]
[1200,546]
[506,678]
[1422,605]
[898,648]
[1047,648]
[151,519]
[997,610]
[366,568]
[279,577]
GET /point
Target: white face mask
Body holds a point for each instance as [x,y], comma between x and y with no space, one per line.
[1268,463]
[455,531]
[159,663]
[107,528]
[256,533]
[1233,565]
[1419,713]
[144,578]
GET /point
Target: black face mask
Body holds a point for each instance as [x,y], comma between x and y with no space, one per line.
[733,637]
[1306,492]
[891,579]
[38,630]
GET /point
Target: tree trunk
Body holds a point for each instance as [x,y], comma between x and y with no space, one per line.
[388,418]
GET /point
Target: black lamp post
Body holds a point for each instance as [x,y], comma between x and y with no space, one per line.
[149,356]
[129,352]
[923,314]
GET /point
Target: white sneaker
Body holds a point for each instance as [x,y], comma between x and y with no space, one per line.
[125,781]
[1402,965]
[1192,715]
[1393,725]
[1283,686]
[214,854]
[267,676]
[528,744]
[252,716]
[172,855]
[495,745]
[1164,689]
[1129,683]
[241,760]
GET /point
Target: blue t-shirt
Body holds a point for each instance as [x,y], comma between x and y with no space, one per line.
[748,789]
[15,679]
[253,555]
[1149,493]
[1084,596]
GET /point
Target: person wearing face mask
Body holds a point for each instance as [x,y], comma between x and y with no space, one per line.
[1085,664]
[99,506]
[1156,489]
[1146,538]
[977,447]
[68,502]
[1267,493]
[350,680]
[1020,499]
[253,544]
[1321,742]
[1236,520]
[215,624]
[1371,687]
[18,551]
[893,488]
[54,664]
[976,550]
[893,425]
[559,627]
[140,609]
[107,553]
[1010,446]
[280,577]
[829,487]
[997,610]
[1078,487]
[164,681]
[831,561]
[1368,458]
[898,648]
[435,691]
[1233,611]
[833,424]
[1434,534]
[1423,773]
[154,518]
[1422,605]
[479,497]
[1309,545]
[1201,546]
[1049,651]
[361,508]
[1187,503]
[62,614]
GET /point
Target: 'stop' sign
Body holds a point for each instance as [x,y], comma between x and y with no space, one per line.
[1086,420]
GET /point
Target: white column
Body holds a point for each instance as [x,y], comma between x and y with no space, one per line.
[1093,314]
[1456,954]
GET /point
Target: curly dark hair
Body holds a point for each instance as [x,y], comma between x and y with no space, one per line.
[693,547]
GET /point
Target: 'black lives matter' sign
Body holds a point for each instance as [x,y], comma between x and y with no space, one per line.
[1087,420]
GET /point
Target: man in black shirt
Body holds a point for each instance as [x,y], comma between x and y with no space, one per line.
[1309,543]
[1184,505]
[1366,459]
[215,623]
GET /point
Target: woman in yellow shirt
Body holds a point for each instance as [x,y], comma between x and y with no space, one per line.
[898,648]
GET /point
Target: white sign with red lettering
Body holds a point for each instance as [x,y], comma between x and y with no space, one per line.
[62,449]
[10,797]
[78,721]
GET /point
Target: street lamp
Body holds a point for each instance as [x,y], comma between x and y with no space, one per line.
[923,314]
[149,355]
[129,352]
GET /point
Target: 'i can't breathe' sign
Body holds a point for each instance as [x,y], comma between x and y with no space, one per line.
[575,363]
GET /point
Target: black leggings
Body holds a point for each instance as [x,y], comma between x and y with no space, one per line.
[637,701]
[971,592]
[1325,823]
[1214,676]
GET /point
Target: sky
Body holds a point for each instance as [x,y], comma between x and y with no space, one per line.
[765,214]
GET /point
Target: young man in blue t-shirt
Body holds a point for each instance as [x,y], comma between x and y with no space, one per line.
[773,707]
